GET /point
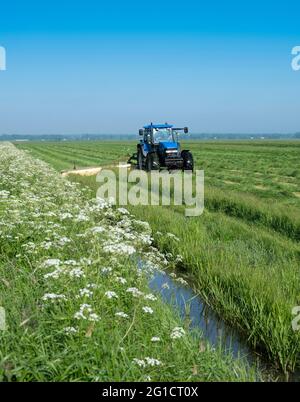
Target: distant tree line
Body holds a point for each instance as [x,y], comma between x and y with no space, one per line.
[118,137]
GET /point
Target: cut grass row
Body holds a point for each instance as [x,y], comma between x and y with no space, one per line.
[66,155]
[267,170]
[279,217]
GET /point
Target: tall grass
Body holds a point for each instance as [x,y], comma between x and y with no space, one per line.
[65,274]
[247,272]
[284,219]
[243,252]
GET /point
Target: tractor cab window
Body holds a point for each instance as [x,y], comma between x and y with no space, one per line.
[160,135]
[147,136]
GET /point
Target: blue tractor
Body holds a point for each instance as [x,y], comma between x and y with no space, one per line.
[159,147]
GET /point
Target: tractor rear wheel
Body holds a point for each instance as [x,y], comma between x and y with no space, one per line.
[188,161]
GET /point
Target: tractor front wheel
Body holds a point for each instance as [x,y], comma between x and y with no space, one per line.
[140,159]
[188,161]
[149,162]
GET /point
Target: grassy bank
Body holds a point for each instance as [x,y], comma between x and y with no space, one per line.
[247,272]
[243,252]
[77,308]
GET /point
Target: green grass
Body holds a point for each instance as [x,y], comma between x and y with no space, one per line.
[243,253]
[46,217]
[247,272]
[66,155]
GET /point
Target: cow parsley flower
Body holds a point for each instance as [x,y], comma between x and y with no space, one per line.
[150,296]
[139,362]
[53,296]
[98,229]
[85,292]
[52,262]
[182,281]
[55,274]
[135,292]
[93,317]
[177,332]
[106,270]
[70,330]
[121,280]
[65,215]
[111,294]
[121,314]
[147,310]
[119,248]
[172,236]
[152,362]
[123,211]
[76,273]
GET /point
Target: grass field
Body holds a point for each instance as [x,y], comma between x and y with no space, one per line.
[77,307]
[243,253]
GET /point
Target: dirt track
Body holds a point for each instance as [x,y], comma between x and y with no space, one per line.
[91,171]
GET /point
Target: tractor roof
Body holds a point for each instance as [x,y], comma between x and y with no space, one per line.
[159,125]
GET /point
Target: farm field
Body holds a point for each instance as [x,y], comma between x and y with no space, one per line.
[81,313]
[265,169]
[243,253]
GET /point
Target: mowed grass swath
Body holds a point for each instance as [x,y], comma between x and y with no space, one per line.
[243,253]
[77,307]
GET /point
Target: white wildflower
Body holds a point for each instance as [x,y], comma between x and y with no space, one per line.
[150,296]
[177,332]
[119,248]
[139,362]
[172,236]
[152,362]
[65,215]
[76,273]
[123,211]
[147,310]
[85,292]
[93,317]
[121,314]
[71,262]
[53,296]
[135,292]
[121,280]
[86,313]
[106,270]
[82,218]
[63,240]
[55,274]
[52,262]
[98,229]
[182,281]
[111,294]
[70,330]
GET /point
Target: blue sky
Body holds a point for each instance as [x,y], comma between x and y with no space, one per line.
[78,67]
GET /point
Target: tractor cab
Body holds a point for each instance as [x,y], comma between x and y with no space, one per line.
[159,147]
